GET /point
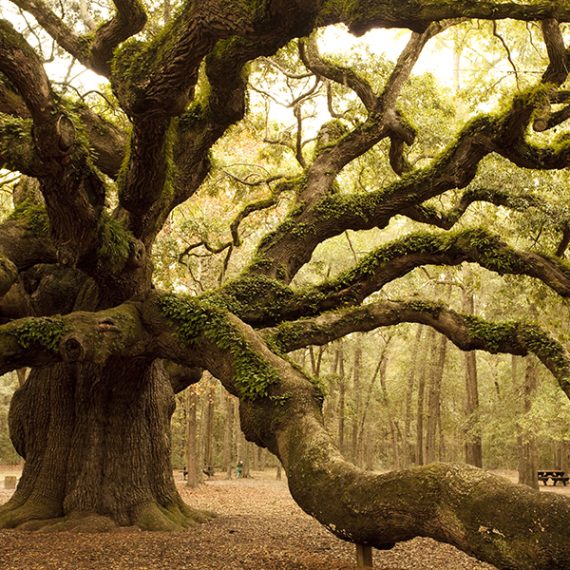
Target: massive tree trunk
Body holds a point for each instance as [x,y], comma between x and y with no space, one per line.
[97,449]
[93,426]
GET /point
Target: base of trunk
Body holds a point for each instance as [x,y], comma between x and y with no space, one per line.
[97,449]
[33,515]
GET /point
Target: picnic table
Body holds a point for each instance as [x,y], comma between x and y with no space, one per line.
[555,475]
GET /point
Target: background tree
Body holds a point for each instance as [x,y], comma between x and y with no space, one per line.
[109,347]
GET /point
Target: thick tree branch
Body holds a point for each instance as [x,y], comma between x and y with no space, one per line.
[558,54]
[465,331]
[364,15]
[22,66]
[309,54]
[474,245]
[95,50]
[73,193]
[106,140]
[78,337]
[280,409]
[272,302]
[129,19]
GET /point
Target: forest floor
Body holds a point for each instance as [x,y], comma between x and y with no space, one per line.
[259,527]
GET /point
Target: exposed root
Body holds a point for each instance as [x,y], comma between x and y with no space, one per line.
[33,515]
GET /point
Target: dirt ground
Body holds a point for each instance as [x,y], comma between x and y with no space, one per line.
[259,527]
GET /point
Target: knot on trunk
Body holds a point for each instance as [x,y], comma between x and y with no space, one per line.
[72,349]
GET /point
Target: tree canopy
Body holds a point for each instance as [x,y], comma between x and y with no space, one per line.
[109,340]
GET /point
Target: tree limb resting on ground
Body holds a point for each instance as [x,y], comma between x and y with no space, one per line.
[503,523]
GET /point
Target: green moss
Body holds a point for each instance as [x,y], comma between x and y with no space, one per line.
[16,144]
[490,251]
[34,216]
[549,350]
[421,242]
[259,294]
[494,337]
[43,331]
[434,309]
[116,241]
[196,318]
[330,135]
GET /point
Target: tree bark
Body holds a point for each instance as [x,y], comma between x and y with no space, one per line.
[97,451]
[434,398]
[473,443]
[527,445]
[194,475]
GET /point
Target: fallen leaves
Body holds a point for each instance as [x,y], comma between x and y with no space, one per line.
[259,527]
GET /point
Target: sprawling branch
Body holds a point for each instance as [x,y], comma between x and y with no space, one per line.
[272,302]
[364,15]
[465,331]
[56,28]
[94,51]
[341,75]
[285,252]
[280,409]
[74,194]
[448,218]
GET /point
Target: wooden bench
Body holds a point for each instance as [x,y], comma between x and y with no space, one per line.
[554,474]
[563,479]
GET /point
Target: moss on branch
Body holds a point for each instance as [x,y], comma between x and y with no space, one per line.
[197,319]
[46,332]
[34,217]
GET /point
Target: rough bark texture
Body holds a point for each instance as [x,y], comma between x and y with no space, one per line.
[79,305]
[103,455]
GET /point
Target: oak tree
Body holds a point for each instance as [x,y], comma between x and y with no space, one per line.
[108,349]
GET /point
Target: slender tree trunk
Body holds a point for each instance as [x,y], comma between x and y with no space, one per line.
[229,435]
[434,397]
[396,460]
[527,445]
[565,455]
[209,408]
[379,373]
[316,357]
[473,442]
[341,397]
[194,476]
[412,371]
[356,449]
[420,451]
